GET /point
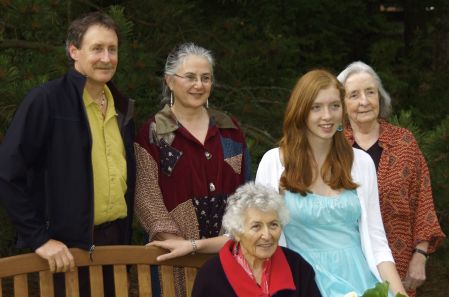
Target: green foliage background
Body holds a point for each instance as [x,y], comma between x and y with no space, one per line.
[261,48]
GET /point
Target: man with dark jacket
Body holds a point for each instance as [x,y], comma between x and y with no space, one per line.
[67,167]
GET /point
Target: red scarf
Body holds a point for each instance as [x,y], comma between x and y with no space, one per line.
[238,256]
[277,274]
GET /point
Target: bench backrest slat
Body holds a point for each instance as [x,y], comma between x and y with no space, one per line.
[20,285]
[46,284]
[120,257]
[144,280]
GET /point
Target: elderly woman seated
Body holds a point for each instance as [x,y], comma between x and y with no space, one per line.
[252,263]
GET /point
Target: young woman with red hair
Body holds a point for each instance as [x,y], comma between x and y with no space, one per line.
[331,192]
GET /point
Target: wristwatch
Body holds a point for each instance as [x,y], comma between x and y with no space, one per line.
[420,251]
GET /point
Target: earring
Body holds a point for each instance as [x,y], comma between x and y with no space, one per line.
[171,98]
[207,103]
[340,128]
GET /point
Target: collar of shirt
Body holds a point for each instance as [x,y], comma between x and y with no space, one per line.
[166,120]
[90,103]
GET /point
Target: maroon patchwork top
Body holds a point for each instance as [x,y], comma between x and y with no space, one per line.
[182,185]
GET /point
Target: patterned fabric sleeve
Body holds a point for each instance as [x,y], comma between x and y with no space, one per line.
[246,160]
[149,206]
[426,227]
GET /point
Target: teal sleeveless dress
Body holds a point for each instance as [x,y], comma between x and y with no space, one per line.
[325,231]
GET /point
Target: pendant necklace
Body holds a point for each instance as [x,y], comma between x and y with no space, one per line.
[103,100]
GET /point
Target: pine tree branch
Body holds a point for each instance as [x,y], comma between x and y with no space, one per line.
[261,135]
[25,44]
[91,4]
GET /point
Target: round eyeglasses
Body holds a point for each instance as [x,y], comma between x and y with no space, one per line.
[193,78]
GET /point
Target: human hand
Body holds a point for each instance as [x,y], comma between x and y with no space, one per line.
[416,274]
[58,256]
[177,248]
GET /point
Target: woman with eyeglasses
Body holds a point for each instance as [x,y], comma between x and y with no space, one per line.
[190,158]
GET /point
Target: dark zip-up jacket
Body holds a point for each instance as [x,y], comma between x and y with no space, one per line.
[46,178]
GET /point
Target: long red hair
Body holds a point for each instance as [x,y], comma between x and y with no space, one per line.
[297,154]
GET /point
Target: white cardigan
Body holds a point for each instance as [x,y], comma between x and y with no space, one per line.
[374,242]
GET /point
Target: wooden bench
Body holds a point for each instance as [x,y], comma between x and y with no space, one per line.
[19,267]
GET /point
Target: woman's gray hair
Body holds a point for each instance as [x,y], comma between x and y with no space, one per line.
[177,56]
[255,196]
[384,97]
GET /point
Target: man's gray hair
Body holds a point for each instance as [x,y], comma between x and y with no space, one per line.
[255,196]
[384,97]
[177,56]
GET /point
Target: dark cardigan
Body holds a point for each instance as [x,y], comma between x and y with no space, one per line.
[211,279]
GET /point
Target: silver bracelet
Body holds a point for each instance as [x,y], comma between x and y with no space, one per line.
[194,246]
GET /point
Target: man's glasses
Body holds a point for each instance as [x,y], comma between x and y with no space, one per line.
[193,78]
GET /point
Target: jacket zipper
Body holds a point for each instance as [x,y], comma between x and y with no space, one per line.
[92,247]
[91,252]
